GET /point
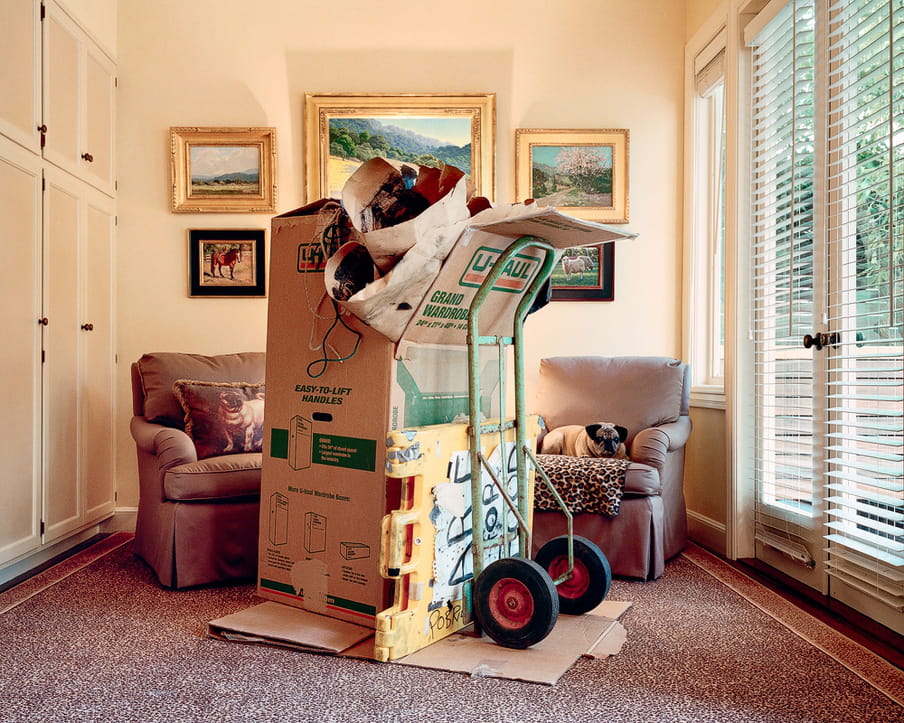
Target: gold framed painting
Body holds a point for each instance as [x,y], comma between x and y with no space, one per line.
[341,131]
[217,170]
[583,173]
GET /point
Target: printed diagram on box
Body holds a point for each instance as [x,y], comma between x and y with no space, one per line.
[278,532]
[314,532]
[300,443]
[354,550]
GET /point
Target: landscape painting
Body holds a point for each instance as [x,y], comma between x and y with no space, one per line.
[223,169]
[216,170]
[582,173]
[425,141]
[572,175]
[343,131]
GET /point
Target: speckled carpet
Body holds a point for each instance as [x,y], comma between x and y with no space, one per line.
[97,639]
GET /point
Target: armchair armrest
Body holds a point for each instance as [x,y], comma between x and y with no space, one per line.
[651,445]
[171,446]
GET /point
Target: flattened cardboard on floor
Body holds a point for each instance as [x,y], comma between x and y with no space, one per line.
[272,623]
[596,634]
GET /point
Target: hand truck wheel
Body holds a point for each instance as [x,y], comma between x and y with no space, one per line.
[590,580]
[515,602]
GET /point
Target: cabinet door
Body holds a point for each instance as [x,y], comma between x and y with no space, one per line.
[97,368]
[63,224]
[79,101]
[20,310]
[61,89]
[78,355]
[20,72]
[97,154]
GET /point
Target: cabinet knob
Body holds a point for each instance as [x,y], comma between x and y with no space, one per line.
[43,321]
[88,327]
[88,157]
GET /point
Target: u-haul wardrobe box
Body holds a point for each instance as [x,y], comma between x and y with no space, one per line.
[336,387]
[334,391]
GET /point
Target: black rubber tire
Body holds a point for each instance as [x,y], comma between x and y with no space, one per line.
[515,602]
[591,578]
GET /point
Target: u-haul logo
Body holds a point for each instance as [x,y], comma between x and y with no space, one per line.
[310,258]
[515,277]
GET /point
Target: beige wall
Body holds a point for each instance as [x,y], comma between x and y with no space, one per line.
[705,474]
[569,64]
[698,12]
[98,17]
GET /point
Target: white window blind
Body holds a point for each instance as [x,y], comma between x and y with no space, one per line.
[828,259]
[783,268]
[865,385]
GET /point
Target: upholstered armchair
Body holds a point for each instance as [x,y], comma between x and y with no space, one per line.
[197,427]
[650,396]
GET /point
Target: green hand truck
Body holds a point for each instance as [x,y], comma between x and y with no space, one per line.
[517,600]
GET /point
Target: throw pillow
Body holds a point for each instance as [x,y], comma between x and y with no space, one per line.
[222,417]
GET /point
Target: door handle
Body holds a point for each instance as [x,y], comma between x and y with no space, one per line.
[88,157]
[821,339]
[88,327]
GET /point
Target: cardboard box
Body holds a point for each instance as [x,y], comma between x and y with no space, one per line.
[441,315]
[336,387]
[334,390]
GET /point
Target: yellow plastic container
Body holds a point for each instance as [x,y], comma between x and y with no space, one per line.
[427,542]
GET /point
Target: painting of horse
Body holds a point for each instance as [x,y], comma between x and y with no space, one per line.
[229,259]
[226,262]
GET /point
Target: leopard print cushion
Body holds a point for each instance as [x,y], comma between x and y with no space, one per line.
[586,484]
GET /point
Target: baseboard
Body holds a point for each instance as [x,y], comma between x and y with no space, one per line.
[36,560]
[123,520]
[707,532]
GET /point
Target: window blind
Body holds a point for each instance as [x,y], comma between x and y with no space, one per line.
[783,269]
[709,65]
[864,494]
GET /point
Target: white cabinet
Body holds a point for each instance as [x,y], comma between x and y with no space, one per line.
[20,368]
[20,72]
[77,355]
[79,86]
[56,301]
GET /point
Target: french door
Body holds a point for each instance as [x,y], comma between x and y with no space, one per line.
[828,307]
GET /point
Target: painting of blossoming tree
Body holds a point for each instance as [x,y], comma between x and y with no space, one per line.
[583,173]
[572,175]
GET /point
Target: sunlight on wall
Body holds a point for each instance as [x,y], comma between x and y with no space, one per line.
[588,64]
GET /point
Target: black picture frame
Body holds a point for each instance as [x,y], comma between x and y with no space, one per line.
[229,274]
[569,283]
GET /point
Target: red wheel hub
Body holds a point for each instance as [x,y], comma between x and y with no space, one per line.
[511,603]
[577,584]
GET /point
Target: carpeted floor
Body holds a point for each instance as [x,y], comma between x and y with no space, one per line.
[107,643]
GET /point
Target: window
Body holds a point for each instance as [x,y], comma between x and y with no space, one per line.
[705,213]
